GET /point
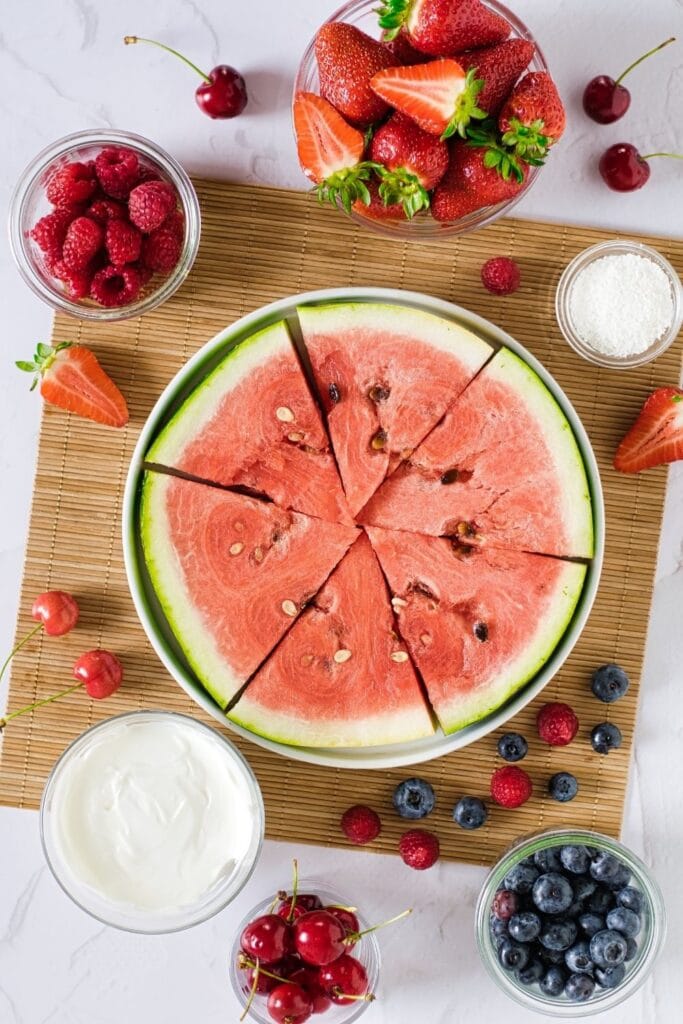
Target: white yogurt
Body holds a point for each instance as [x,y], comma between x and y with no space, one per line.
[152,812]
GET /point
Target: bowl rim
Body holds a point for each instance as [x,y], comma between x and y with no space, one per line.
[159,634]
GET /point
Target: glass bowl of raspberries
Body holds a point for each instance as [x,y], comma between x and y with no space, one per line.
[570,922]
[423,121]
[104,225]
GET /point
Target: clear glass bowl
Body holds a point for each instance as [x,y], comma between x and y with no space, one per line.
[29,203]
[650,939]
[563,297]
[367,951]
[121,915]
[423,227]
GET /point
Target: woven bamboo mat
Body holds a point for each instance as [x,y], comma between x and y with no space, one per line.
[258,245]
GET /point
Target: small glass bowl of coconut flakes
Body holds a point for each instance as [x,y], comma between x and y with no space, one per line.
[619,304]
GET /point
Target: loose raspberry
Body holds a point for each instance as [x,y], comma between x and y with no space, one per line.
[123,242]
[419,849]
[82,241]
[150,204]
[50,231]
[361,824]
[117,170]
[557,724]
[76,282]
[115,286]
[72,184]
[161,250]
[104,210]
[500,276]
[510,786]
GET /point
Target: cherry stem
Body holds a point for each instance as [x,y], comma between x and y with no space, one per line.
[37,704]
[674,156]
[245,963]
[31,633]
[169,49]
[367,997]
[355,936]
[252,994]
[295,889]
[644,57]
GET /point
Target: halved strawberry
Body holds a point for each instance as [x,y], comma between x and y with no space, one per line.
[443,27]
[439,96]
[347,59]
[499,67]
[656,437]
[470,183]
[71,377]
[330,151]
[414,162]
[533,119]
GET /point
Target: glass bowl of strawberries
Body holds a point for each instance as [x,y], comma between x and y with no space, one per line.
[104,225]
[424,118]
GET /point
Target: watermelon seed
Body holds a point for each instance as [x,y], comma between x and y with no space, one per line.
[378,393]
[425,639]
[295,438]
[238,526]
[399,656]
[236,548]
[465,530]
[481,631]
[289,608]
[258,554]
[406,453]
[284,414]
[379,440]
[450,476]
[334,393]
[341,656]
[398,602]
[306,660]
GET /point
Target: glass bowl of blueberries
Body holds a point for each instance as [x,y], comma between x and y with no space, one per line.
[569,922]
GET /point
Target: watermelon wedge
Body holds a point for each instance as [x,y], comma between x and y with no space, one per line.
[502,468]
[478,625]
[253,423]
[340,677]
[231,573]
[386,375]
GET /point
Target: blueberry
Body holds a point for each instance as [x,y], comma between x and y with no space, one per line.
[604,866]
[605,737]
[579,988]
[530,974]
[558,934]
[512,746]
[414,799]
[548,859]
[551,956]
[610,977]
[583,887]
[601,901]
[553,982]
[574,909]
[525,927]
[631,949]
[625,921]
[631,898]
[608,948]
[499,930]
[521,878]
[563,787]
[470,812]
[609,683]
[575,859]
[513,956]
[552,893]
[620,880]
[591,924]
[578,958]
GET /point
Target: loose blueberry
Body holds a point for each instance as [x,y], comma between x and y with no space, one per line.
[513,956]
[552,893]
[553,982]
[631,898]
[470,812]
[600,902]
[521,878]
[583,887]
[512,746]
[558,934]
[609,683]
[620,880]
[575,859]
[563,787]
[608,948]
[525,927]
[499,931]
[591,924]
[578,958]
[610,977]
[548,859]
[631,949]
[625,921]
[530,974]
[604,866]
[505,904]
[579,988]
[414,799]
[605,737]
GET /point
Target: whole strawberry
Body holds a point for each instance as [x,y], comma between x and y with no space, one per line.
[347,60]
[82,240]
[414,162]
[443,27]
[149,204]
[557,724]
[498,67]
[419,849]
[510,786]
[361,824]
[471,183]
[533,118]
[71,185]
[402,50]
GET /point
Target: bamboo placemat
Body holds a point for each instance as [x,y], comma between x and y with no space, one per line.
[258,245]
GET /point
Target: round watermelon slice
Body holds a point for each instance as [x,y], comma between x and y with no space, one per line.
[340,677]
[231,573]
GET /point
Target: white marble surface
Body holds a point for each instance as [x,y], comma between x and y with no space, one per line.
[62,68]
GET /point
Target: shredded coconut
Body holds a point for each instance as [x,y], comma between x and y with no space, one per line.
[620,305]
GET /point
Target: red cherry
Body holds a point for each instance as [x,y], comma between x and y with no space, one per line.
[319,937]
[346,977]
[267,938]
[309,980]
[624,169]
[264,983]
[289,1004]
[57,610]
[100,672]
[348,921]
[605,99]
[302,904]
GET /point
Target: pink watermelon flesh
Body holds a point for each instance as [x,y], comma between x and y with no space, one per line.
[253,423]
[231,572]
[385,375]
[478,625]
[340,677]
[502,468]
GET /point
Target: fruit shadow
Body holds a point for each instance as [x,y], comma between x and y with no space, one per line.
[268,90]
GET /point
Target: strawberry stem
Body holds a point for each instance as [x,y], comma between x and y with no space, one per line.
[37,704]
[169,49]
[353,937]
[15,650]
[644,57]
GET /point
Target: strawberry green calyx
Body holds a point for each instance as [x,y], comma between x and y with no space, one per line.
[347,186]
[528,141]
[497,155]
[43,359]
[466,108]
[393,14]
[404,187]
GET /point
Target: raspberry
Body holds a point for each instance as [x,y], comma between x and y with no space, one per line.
[146,173]
[50,231]
[83,239]
[117,170]
[123,242]
[557,724]
[115,287]
[72,184]
[150,204]
[175,222]
[419,849]
[505,904]
[360,824]
[76,282]
[104,210]
[501,276]
[145,273]
[510,786]
[161,251]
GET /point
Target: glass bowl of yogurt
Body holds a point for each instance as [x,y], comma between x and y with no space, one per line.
[151,821]
[619,304]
